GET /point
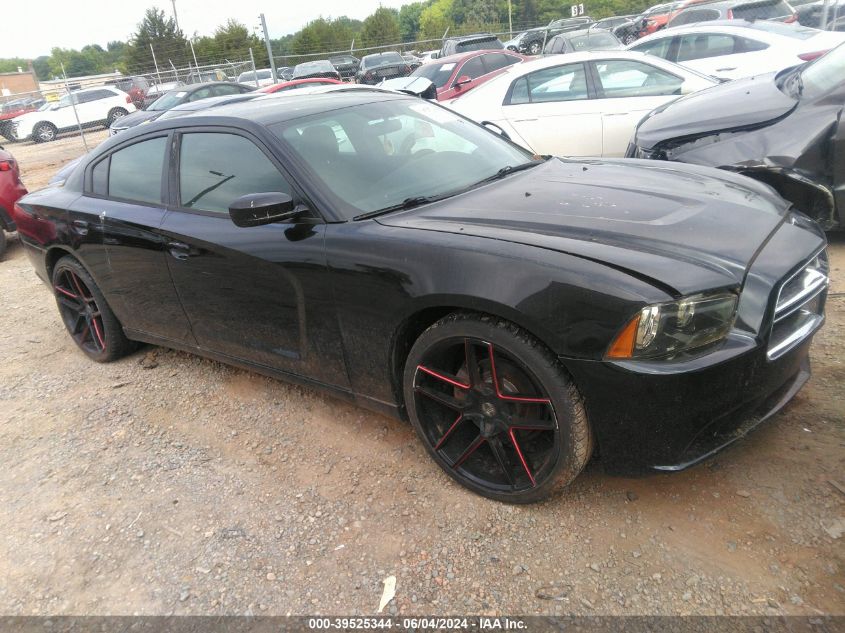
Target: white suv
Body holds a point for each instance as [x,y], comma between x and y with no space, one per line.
[94,106]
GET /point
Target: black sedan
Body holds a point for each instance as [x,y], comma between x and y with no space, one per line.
[380,66]
[321,68]
[786,129]
[520,311]
[178,96]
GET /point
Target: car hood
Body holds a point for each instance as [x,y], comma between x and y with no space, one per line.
[138,117]
[733,105]
[683,227]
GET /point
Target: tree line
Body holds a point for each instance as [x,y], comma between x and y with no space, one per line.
[232,41]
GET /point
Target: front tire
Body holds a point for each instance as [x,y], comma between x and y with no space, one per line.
[87,316]
[495,409]
[3,243]
[44,132]
[114,115]
[534,48]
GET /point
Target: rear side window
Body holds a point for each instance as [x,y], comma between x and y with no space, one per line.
[748,45]
[135,171]
[624,78]
[216,168]
[703,45]
[224,90]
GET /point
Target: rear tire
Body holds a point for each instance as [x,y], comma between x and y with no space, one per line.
[495,409]
[87,316]
[534,48]
[2,243]
[44,132]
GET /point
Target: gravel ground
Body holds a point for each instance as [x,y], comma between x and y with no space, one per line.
[166,483]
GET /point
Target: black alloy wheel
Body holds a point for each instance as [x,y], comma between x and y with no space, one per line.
[86,315]
[495,409]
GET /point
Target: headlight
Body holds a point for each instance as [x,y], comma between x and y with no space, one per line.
[667,329]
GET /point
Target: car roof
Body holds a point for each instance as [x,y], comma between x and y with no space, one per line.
[459,57]
[729,26]
[474,36]
[215,102]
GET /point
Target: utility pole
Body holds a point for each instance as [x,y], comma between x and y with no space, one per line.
[73,105]
[269,49]
[510,18]
[175,17]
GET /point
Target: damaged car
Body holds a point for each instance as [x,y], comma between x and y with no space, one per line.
[785,129]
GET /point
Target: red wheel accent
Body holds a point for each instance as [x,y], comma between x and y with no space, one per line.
[449,432]
[522,457]
[506,397]
[451,380]
[79,311]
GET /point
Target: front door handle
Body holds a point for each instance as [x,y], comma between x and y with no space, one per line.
[523,120]
[180,250]
[617,113]
[724,70]
[81,226]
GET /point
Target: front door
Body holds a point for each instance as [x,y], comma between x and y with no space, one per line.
[551,110]
[260,294]
[626,92]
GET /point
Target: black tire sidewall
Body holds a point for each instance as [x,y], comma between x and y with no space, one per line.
[117,344]
[37,138]
[534,356]
[3,243]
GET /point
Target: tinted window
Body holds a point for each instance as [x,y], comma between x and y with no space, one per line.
[100,178]
[693,16]
[216,169]
[658,48]
[224,90]
[473,68]
[748,45]
[762,10]
[135,172]
[623,78]
[594,41]
[202,93]
[702,45]
[478,45]
[559,83]
[495,61]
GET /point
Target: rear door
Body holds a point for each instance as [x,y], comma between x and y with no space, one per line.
[259,294]
[716,54]
[626,91]
[552,110]
[121,214]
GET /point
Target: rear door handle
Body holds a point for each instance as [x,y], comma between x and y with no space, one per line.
[722,70]
[617,113]
[523,120]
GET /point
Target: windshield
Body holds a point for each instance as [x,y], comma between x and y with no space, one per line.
[167,101]
[313,67]
[374,156]
[438,73]
[824,74]
[764,10]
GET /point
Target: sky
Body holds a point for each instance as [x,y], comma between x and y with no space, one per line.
[75,23]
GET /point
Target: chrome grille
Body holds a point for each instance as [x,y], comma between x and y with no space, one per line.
[799,310]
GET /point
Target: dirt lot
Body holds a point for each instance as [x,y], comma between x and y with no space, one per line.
[166,483]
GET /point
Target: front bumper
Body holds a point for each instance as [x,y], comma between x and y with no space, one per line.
[646,420]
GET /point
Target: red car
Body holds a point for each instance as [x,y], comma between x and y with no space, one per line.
[454,75]
[11,189]
[298,83]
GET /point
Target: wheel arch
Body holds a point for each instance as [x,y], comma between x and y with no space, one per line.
[425,314]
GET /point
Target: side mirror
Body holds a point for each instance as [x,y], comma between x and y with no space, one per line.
[462,80]
[255,209]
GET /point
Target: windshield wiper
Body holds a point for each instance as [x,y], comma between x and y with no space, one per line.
[510,169]
[407,203]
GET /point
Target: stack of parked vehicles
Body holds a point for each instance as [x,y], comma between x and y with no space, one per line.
[377,67]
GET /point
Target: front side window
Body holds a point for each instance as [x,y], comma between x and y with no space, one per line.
[559,83]
[216,168]
[473,68]
[135,171]
[624,78]
[658,48]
